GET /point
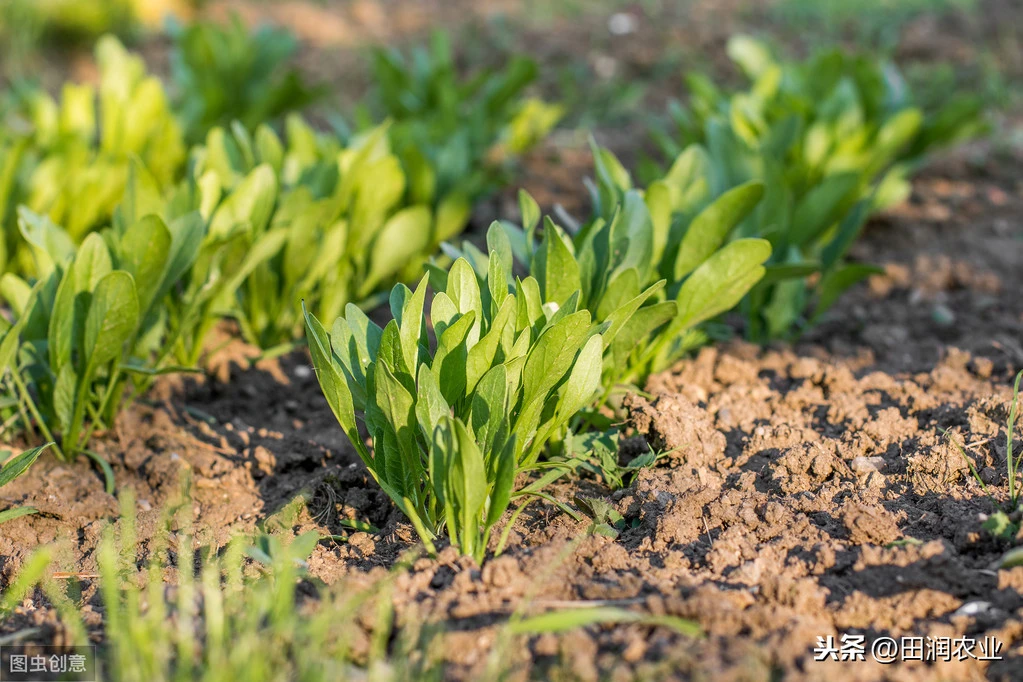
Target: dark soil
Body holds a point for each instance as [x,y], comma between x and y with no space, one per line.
[810,492]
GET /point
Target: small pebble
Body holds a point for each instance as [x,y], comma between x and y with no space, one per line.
[868,464]
[973,608]
[943,315]
[622,23]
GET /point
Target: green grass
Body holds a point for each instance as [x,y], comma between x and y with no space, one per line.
[250,611]
[1005,522]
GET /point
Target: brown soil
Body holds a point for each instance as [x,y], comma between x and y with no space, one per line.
[810,493]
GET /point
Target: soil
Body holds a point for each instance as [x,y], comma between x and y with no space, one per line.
[812,490]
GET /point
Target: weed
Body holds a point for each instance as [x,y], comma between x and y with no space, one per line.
[10,469]
[1005,522]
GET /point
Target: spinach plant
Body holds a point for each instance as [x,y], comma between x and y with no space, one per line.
[661,244]
[451,422]
[225,73]
[350,202]
[70,161]
[834,140]
[456,135]
[92,332]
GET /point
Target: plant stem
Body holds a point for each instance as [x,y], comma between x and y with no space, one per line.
[1012,463]
[35,412]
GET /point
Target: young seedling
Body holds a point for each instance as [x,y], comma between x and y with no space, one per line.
[647,246]
[94,325]
[452,422]
[1005,522]
[597,453]
[834,140]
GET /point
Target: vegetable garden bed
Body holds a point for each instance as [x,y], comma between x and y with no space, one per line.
[720,520]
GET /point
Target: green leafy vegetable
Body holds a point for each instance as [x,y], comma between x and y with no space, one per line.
[455,136]
[350,202]
[452,421]
[652,267]
[833,139]
[96,324]
[224,73]
[70,162]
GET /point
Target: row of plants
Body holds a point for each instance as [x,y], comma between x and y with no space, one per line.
[835,139]
[126,247]
[523,345]
[755,215]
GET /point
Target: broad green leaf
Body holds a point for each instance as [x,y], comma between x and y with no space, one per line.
[430,403]
[641,324]
[659,204]
[619,318]
[143,253]
[711,227]
[504,482]
[530,212]
[112,319]
[721,281]
[552,355]
[490,410]
[412,324]
[65,395]
[480,357]
[464,291]
[405,235]
[333,383]
[451,217]
[449,362]
[52,245]
[584,380]
[556,268]
[249,206]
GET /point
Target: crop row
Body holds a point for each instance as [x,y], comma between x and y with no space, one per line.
[134,222]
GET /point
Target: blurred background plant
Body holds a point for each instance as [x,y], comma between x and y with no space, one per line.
[875,24]
[835,138]
[222,73]
[70,160]
[455,135]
